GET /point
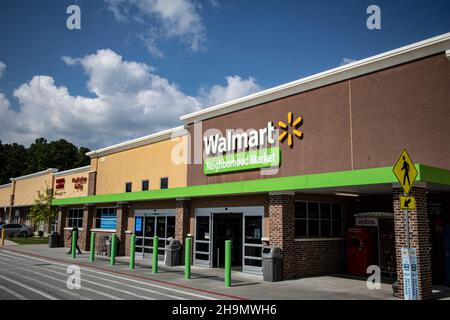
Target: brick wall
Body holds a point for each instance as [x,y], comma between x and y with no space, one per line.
[81,239]
[127,243]
[88,218]
[121,228]
[419,239]
[182,219]
[301,258]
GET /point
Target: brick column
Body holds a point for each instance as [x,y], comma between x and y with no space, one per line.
[282,229]
[419,239]
[182,219]
[85,235]
[121,227]
[182,223]
[61,224]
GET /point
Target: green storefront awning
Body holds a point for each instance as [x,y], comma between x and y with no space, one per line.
[348,178]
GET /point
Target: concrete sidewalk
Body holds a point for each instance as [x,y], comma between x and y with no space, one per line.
[243,285]
[10,243]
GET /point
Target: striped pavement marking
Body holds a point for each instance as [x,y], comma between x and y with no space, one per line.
[113,275]
[50,297]
[109,296]
[13,293]
[130,277]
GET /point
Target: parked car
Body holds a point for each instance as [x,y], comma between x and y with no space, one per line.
[16,229]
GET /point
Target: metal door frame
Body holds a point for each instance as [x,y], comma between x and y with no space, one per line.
[156,213]
[245,211]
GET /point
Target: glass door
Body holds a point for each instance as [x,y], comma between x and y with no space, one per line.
[202,245]
[145,227]
[139,232]
[252,253]
[149,232]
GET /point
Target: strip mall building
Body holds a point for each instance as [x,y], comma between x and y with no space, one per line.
[299,165]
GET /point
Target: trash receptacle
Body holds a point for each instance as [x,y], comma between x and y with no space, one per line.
[173,253]
[272,258]
[53,240]
[109,245]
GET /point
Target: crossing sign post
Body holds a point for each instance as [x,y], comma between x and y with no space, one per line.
[406,173]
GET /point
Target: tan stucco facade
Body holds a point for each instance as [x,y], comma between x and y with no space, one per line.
[149,162]
[26,189]
[71,185]
[5,195]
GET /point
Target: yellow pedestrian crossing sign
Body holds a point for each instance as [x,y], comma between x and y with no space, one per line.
[405,171]
[407,203]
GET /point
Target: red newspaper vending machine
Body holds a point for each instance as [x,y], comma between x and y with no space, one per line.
[361,250]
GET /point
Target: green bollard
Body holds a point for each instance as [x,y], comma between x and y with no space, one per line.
[113,250]
[228,263]
[187,258]
[132,251]
[155,255]
[92,252]
[74,244]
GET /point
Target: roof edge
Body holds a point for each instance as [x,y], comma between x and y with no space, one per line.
[36,174]
[138,142]
[72,171]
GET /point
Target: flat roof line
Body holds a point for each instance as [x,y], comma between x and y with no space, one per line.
[71,171]
[138,142]
[374,63]
[36,174]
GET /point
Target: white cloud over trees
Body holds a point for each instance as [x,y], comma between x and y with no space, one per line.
[128,100]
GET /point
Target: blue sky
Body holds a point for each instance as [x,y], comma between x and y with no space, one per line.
[136,65]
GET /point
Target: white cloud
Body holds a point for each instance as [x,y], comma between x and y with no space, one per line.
[129,101]
[2,68]
[69,60]
[236,87]
[345,61]
[171,19]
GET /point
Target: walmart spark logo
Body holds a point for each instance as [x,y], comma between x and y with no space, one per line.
[295,132]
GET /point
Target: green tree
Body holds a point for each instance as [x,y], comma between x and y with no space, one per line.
[42,210]
[82,158]
[38,156]
[12,161]
[62,155]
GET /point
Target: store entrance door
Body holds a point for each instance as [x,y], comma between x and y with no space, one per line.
[227,226]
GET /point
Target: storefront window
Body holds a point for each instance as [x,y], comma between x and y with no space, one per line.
[145,185]
[164,183]
[313,219]
[75,218]
[128,187]
[106,218]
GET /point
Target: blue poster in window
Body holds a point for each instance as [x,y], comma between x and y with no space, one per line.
[108,223]
[138,224]
[108,220]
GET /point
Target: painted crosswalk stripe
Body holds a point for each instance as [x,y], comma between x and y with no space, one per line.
[64,282]
[120,277]
[64,291]
[128,285]
[106,286]
[50,297]
[13,293]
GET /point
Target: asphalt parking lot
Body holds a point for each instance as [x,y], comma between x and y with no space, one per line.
[37,272]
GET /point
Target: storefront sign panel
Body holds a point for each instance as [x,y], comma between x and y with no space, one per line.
[255,159]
